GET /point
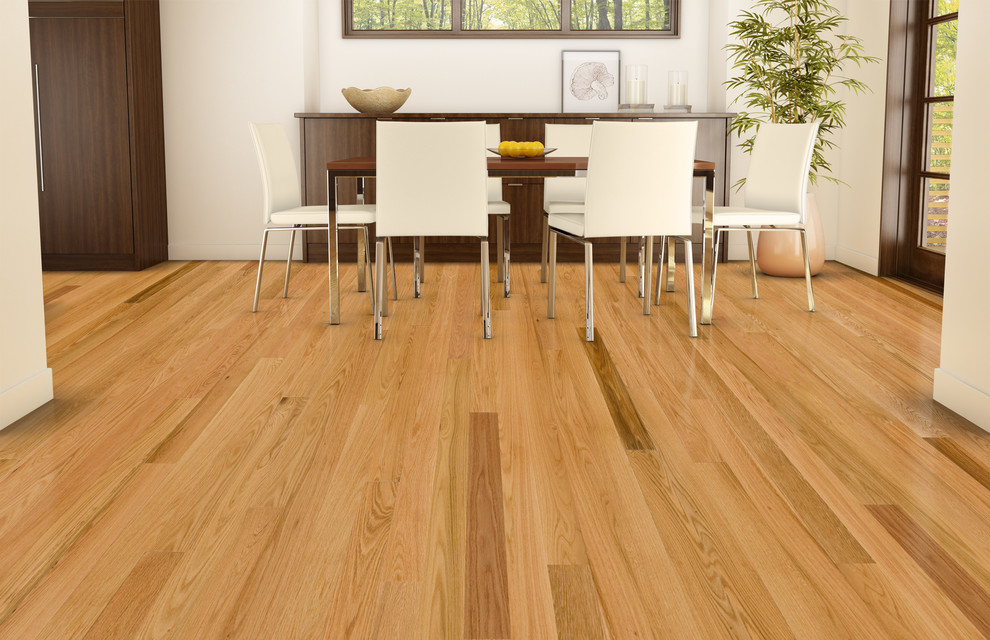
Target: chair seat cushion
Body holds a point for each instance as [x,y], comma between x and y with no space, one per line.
[498,208]
[572,223]
[563,206]
[742,216]
[317,214]
[355,214]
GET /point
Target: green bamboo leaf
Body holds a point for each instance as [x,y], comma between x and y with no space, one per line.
[789,63]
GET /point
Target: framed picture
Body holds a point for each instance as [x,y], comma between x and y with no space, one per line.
[589,81]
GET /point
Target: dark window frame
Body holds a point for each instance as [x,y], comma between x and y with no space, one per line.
[456,31]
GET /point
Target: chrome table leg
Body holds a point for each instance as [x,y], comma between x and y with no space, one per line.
[708,251]
[752,262]
[671,264]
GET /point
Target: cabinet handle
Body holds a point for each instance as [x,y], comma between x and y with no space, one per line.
[592,118]
[515,118]
[513,184]
[37,107]
[438,118]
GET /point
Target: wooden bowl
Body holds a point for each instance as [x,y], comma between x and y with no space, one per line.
[380,100]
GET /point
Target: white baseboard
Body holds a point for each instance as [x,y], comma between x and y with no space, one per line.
[963,398]
[866,263]
[230,251]
[25,396]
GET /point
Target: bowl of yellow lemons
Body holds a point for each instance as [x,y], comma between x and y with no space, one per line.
[513,149]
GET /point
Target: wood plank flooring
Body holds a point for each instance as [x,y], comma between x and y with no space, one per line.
[205,472]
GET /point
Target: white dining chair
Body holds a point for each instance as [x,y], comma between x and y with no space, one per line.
[639,184]
[563,194]
[432,180]
[282,197]
[501,209]
[775,194]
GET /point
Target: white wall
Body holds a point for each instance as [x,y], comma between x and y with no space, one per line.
[856,232]
[486,75]
[269,59]
[226,63]
[962,382]
[25,379]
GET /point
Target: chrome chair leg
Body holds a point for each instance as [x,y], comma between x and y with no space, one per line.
[545,250]
[415,263]
[671,264]
[395,282]
[689,273]
[288,261]
[261,265]
[589,294]
[640,262]
[417,266]
[362,264]
[422,258]
[647,274]
[552,276]
[499,250]
[505,256]
[486,298]
[362,259]
[622,258]
[663,251]
[807,269]
[380,276]
[383,284]
[752,261]
[718,241]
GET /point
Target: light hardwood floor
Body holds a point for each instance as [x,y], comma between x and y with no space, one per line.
[206,472]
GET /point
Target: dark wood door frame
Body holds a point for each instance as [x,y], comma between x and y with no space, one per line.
[904,125]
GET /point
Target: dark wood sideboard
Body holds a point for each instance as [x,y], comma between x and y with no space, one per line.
[333,136]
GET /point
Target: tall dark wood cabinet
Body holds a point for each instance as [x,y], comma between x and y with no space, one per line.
[99,130]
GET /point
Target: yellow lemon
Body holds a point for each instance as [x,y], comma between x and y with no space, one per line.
[516,149]
[503,148]
[534,149]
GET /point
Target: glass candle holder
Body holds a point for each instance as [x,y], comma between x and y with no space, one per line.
[636,83]
[677,88]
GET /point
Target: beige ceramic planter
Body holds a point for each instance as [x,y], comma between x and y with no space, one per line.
[779,254]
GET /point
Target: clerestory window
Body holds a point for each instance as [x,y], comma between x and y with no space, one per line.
[510,18]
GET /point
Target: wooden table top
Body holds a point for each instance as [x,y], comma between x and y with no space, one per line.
[547,165]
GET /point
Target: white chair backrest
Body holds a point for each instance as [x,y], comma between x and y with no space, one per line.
[640,178]
[432,179]
[568,140]
[278,168]
[493,136]
[778,168]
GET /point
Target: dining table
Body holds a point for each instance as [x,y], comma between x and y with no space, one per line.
[507,167]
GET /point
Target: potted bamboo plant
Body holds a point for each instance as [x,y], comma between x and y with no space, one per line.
[790,62]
